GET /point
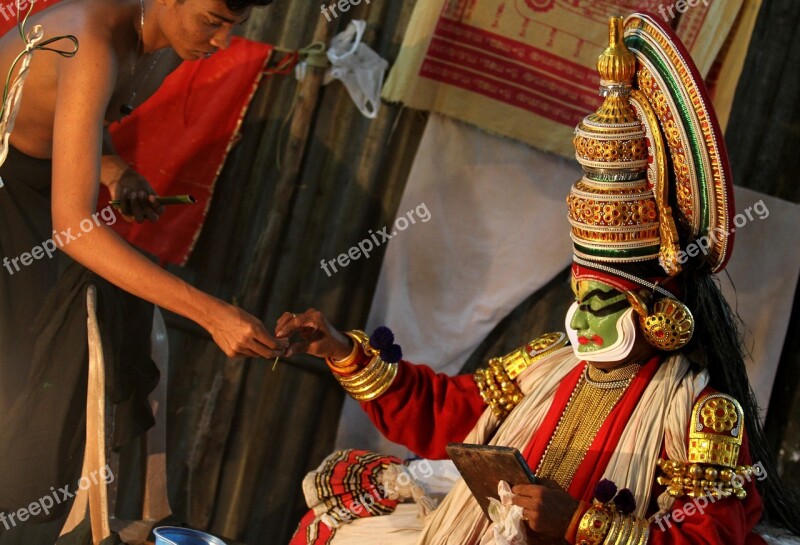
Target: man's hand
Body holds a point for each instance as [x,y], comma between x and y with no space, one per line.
[136,198]
[548,509]
[238,333]
[317,336]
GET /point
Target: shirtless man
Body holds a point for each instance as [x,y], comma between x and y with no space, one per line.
[64,105]
[51,176]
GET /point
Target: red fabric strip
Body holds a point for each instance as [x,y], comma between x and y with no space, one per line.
[536,446]
[591,470]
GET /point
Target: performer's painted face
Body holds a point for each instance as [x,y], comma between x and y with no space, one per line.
[600,322]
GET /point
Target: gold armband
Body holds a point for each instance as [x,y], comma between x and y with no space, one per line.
[609,520]
[697,480]
[497,389]
[496,383]
[715,438]
[595,525]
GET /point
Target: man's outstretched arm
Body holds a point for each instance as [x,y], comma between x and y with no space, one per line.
[85,85]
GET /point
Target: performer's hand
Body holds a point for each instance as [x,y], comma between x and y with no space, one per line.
[548,509]
[238,333]
[137,199]
[316,336]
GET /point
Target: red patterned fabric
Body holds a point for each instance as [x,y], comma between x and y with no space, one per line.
[179,139]
[347,486]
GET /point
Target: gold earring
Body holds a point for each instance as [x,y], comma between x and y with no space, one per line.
[670,324]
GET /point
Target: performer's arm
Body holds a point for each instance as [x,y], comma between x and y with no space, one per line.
[703,520]
[424,410]
[414,406]
[85,85]
[722,518]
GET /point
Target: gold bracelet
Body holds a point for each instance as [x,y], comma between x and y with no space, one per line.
[347,365]
[594,525]
[362,376]
[372,382]
[381,372]
[644,531]
[625,530]
[380,387]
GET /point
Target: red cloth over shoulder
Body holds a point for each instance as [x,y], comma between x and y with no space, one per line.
[179,140]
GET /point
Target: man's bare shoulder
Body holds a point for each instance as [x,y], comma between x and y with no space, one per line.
[93,21]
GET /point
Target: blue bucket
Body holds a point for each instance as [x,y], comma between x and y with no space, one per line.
[168,535]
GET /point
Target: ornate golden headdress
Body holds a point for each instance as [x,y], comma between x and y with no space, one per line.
[653,157]
[654,142]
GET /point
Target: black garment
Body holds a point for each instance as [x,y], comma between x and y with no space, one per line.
[44,356]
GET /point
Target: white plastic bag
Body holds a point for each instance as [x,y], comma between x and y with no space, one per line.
[358,67]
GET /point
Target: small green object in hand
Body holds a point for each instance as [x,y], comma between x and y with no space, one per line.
[166,201]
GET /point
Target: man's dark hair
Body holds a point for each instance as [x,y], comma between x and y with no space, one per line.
[238,6]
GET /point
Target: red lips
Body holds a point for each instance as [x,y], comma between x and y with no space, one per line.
[596,339]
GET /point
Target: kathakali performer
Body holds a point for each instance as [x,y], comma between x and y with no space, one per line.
[645,429]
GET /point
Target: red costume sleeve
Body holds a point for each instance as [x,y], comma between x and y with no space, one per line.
[424,410]
[703,521]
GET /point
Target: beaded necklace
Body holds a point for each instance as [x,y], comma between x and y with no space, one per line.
[590,403]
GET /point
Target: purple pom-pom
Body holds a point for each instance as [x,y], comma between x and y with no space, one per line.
[605,490]
[393,354]
[625,502]
[382,338]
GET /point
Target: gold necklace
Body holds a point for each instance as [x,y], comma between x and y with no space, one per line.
[588,407]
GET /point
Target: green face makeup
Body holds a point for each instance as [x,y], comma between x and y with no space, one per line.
[600,307]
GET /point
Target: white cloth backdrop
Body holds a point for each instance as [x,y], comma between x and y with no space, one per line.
[499,232]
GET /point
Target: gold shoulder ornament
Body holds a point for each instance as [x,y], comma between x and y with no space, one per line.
[497,382]
[715,438]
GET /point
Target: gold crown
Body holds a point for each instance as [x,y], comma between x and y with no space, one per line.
[612,209]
